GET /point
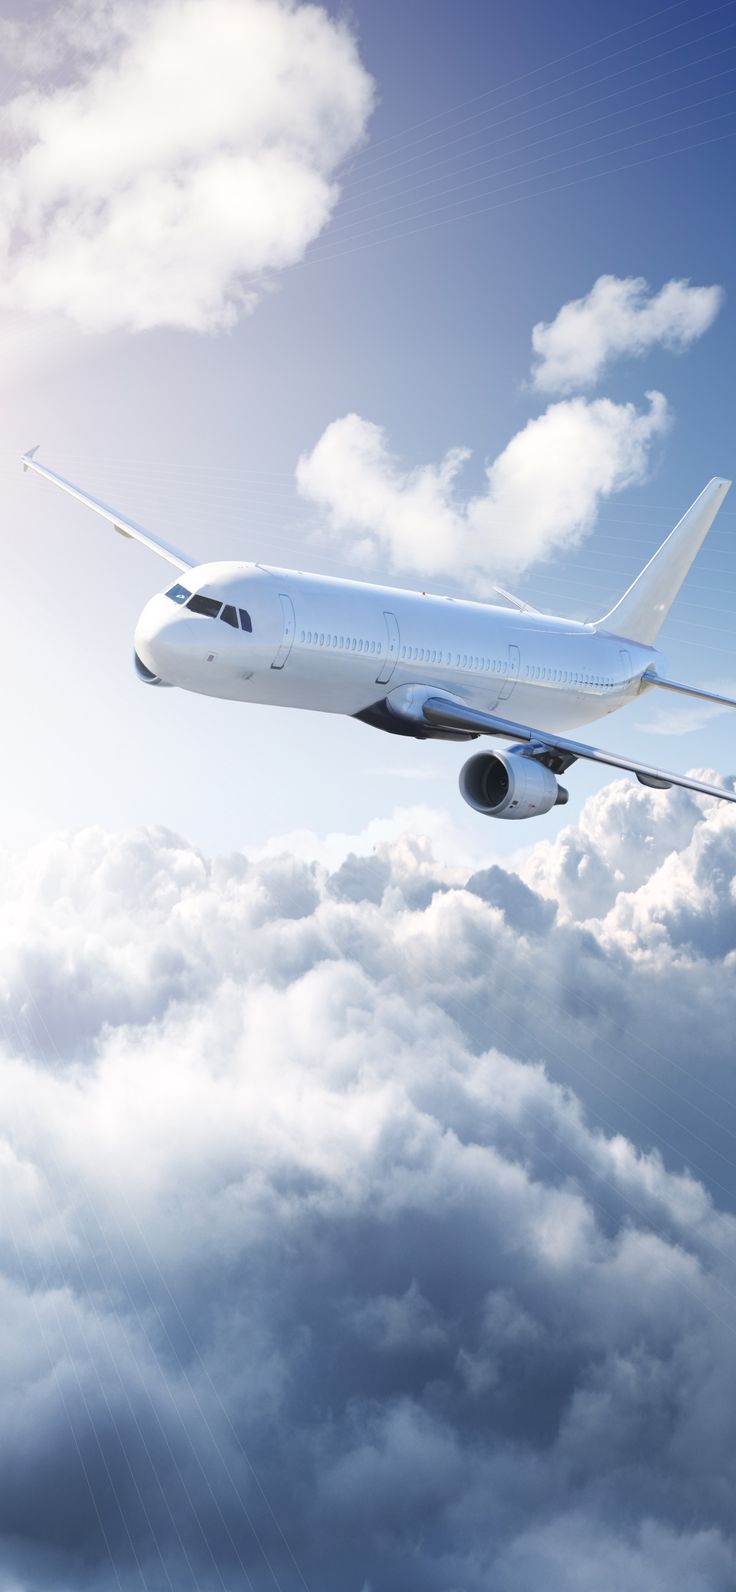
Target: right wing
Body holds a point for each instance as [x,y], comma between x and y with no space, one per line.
[556,750]
[125,527]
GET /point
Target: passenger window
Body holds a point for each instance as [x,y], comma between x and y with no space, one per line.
[178,594]
[245,623]
[301,635]
[229,615]
[209,606]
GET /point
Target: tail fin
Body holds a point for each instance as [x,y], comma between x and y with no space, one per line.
[644,607]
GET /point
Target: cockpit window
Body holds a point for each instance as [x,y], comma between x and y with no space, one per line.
[210,606]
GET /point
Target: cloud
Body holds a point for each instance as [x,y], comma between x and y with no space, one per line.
[373,1219]
[620,317]
[134,196]
[541,493]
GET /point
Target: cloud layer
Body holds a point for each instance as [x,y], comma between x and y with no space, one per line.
[311,1268]
[620,317]
[541,493]
[134,196]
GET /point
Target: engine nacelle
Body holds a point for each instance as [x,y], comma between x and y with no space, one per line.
[506,785]
[145,674]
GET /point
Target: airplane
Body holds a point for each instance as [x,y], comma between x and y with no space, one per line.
[421,665]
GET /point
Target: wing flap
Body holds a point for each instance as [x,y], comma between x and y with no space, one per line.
[454,715]
[125,527]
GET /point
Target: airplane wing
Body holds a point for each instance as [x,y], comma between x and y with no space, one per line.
[556,751]
[650,678]
[118,522]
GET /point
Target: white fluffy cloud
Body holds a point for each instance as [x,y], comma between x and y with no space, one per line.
[188,153]
[312,1252]
[541,494]
[619,317]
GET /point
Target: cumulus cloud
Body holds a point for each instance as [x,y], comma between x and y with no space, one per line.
[619,318]
[134,195]
[541,494]
[350,1236]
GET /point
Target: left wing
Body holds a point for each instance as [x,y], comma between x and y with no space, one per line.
[556,750]
[119,523]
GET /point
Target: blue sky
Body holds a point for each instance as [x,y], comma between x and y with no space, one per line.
[423,329]
[368,1168]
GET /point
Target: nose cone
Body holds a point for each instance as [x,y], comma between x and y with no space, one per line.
[160,637]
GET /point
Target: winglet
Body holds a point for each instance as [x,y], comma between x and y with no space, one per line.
[26,457]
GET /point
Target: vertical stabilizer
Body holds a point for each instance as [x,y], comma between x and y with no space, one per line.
[643,609]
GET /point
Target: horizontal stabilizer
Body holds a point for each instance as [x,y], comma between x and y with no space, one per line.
[640,614]
[649,678]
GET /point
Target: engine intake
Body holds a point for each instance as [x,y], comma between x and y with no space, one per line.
[506,785]
[145,674]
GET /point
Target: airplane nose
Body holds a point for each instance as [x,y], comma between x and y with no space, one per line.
[156,641]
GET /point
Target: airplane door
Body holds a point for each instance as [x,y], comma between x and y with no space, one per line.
[512,673]
[392,650]
[287,638]
[628,665]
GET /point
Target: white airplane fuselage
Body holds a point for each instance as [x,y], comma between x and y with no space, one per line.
[343,646]
[422,665]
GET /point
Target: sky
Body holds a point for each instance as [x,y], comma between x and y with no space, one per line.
[369,1168]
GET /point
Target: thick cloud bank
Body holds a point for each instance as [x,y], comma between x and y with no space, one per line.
[133,196]
[316,1270]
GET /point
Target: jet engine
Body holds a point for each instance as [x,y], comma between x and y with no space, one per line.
[146,675]
[507,785]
